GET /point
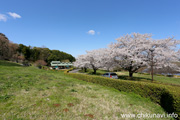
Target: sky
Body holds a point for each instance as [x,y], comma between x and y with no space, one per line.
[74,26]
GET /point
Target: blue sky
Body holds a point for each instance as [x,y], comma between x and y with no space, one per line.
[64,24]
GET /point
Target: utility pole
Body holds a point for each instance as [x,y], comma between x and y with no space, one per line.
[152,63]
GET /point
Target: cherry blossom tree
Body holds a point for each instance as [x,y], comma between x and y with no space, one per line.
[108,61]
[94,59]
[81,62]
[133,51]
[165,53]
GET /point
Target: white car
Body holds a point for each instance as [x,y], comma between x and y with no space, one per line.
[110,75]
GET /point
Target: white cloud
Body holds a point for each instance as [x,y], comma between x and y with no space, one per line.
[14,15]
[3,17]
[91,32]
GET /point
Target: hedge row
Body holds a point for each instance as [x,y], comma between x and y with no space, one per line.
[165,95]
[67,71]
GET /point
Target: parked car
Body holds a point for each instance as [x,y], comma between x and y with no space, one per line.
[110,75]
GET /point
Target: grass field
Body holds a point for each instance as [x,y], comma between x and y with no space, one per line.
[123,75]
[31,93]
[144,77]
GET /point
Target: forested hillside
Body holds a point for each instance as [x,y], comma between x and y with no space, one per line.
[20,52]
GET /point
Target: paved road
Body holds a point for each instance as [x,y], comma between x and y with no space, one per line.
[74,71]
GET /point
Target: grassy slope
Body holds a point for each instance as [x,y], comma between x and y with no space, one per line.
[30,93]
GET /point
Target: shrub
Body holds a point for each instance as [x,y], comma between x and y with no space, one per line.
[170,75]
[25,63]
[165,95]
[40,63]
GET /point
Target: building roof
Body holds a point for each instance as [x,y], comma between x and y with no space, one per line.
[55,62]
[58,63]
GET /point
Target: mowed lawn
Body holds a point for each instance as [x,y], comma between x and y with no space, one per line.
[124,75]
[31,93]
[157,78]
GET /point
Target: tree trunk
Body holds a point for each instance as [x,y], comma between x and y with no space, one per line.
[85,69]
[130,70]
[94,71]
[130,74]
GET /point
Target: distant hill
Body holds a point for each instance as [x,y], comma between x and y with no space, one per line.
[20,52]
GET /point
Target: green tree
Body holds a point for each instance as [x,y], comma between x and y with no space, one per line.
[52,57]
[26,52]
[44,54]
[4,46]
[35,53]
